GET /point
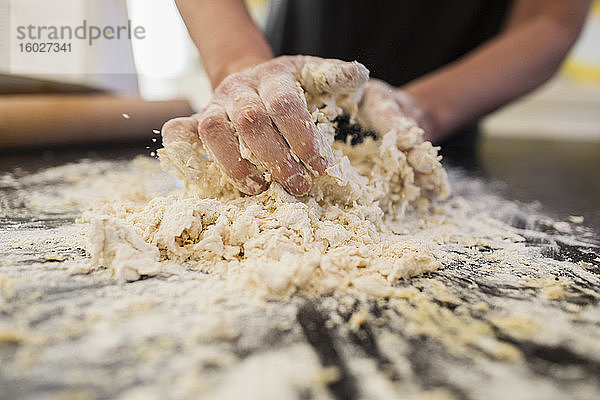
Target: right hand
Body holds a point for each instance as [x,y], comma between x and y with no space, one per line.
[265,108]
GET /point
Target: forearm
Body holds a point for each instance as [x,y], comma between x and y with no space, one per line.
[525,55]
[225,35]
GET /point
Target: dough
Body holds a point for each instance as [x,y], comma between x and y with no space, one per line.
[339,238]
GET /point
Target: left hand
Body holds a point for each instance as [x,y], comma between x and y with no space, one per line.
[384,107]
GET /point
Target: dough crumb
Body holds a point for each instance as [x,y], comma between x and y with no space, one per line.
[576,219]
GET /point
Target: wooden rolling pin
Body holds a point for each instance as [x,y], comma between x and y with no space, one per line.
[64,119]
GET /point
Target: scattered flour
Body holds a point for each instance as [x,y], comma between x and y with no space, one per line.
[197,329]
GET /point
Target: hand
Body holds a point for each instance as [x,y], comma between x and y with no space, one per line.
[261,113]
[384,108]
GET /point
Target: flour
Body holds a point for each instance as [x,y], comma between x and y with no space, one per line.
[197,329]
[338,238]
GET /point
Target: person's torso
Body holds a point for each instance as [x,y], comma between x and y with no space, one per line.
[398,40]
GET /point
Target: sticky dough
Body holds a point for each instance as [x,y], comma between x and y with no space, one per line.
[339,238]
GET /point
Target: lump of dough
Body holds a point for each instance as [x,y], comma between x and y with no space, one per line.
[115,244]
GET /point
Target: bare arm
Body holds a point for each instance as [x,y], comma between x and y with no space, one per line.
[226,36]
[536,38]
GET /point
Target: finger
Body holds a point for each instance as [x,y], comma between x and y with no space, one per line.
[380,112]
[183,129]
[332,76]
[254,127]
[287,108]
[182,148]
[216,134]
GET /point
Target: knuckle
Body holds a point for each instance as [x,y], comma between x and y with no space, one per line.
[251,115]
[230,83]
[271,67]
[210,124]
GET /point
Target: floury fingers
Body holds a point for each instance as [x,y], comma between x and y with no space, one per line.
[338,238]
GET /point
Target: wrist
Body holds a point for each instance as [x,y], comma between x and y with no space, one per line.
[234,65]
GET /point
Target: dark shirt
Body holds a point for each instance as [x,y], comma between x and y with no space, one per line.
[398,40]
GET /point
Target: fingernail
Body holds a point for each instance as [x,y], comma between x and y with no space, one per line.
[298,184]
[254,185]
[319,164]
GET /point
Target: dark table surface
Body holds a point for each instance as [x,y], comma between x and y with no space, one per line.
[564,177]
[478,328]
